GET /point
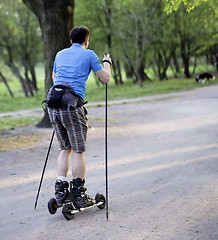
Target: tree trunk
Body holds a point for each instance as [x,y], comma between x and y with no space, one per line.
[194,67]
[56,20]
[185,58]
[33,75]
[163,61]
[175,63]
[6,84]
[20,78]
[27,80]
[186,68]
[129,72]
[114,71]
[119,72]
[217,62]
[45,122]
[142,73]
[138,77]
[16,71]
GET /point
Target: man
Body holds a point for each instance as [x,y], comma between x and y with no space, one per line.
[72,67]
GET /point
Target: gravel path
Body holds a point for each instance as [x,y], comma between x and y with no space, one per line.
[163,174]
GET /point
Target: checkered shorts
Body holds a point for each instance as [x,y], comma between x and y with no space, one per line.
[70,127]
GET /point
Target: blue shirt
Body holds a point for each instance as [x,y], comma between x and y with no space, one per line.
[73,66]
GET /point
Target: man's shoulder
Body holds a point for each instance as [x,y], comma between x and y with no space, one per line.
[63,51]
[91,53]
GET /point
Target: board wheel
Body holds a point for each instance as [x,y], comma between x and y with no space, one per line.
[66,211]
[100,198]
[52,206]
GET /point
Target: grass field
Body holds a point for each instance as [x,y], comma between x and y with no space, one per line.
[94,93]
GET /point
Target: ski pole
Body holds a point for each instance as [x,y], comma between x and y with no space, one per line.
[44,169]
[106,162]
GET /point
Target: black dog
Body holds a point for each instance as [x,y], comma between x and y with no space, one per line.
[201,77]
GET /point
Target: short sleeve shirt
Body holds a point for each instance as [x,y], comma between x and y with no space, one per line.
[73,66]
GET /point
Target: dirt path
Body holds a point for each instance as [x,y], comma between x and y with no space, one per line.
[163,174]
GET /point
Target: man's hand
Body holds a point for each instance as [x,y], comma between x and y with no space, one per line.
[107,59]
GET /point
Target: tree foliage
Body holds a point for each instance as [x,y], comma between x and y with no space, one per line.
[173,5]
[143,36]
[139,35]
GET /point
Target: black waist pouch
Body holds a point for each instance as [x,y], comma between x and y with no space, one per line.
[62,96]
[54,97]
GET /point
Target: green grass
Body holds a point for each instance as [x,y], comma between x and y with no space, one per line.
[19,102]
[130,90]
[9,123]
[95,93]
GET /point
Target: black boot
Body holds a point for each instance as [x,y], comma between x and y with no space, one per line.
[79,197]
[61,192]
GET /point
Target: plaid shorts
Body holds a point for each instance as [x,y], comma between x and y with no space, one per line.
[70,127]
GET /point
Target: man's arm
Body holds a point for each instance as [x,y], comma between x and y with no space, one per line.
[104,74]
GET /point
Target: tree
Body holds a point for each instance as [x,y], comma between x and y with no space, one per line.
[109,9]
[134,34]
[19,43]
[196,33]
[56,20]
[100,17]
[163,40]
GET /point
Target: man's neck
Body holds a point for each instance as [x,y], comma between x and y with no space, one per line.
[83,45]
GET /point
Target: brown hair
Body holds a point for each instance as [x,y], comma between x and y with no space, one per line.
[79,34]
